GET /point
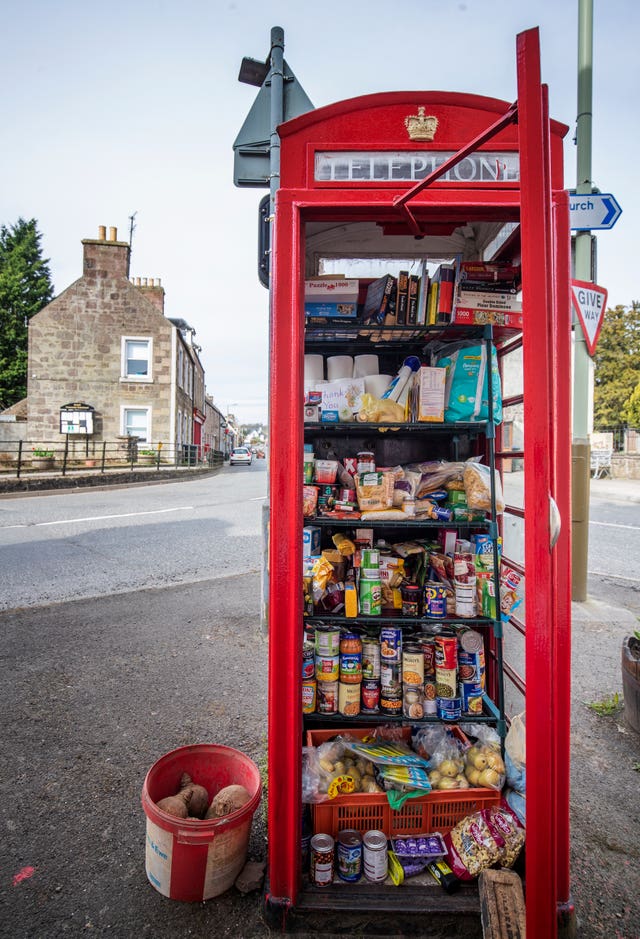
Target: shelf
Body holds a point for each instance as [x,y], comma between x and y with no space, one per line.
[326,521]
[490,715]
[381,338]
[363,428]
[341,620]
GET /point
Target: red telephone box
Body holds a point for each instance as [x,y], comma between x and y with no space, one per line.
[411,176]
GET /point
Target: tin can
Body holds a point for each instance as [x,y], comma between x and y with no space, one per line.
[412,665]
[327,667]
[446,682]
[391,678]
[390,644]
[465,595]
[391,704]
[374,856]
[348,699]
[308,661]
[370,695]
[327,697]
[449,709]
[321,860]
[470,640]
[327,641]
[309,696]
[412,702]
[471,666]
[446,652]
[410,600]
[366,462]
[429,700]
[429,654]
[370,597]
[349,855]
[470,699]
[351,658]
[435,600]
[370,560]
[370,658]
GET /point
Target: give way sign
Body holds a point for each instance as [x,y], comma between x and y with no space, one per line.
[590,303]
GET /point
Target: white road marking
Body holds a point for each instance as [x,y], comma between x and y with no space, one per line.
[101,518]
[632,580]
[615,525]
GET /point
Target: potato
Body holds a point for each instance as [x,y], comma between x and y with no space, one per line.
[489,777]
[339,768]
[228,800]
[480,761]
[327,766]
[448,768]
[447,782]
[177,805]
[462,781]
[473,775]
[199,802]
[434,777]
[494,761]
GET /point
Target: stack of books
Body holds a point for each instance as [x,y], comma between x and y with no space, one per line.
[487,293]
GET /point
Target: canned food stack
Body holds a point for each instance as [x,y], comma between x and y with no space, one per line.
[349,857]
[348,673]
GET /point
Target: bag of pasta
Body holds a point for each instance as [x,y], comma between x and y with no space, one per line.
[477,485]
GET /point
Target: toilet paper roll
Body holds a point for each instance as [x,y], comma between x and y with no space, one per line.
[313,384]
[313,367]
[339,366]
[376,385]
[365,365]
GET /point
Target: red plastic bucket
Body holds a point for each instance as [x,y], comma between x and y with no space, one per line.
[189,859]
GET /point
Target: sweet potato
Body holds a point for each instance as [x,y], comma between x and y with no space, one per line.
[199,796]
[177,805]
[228,800]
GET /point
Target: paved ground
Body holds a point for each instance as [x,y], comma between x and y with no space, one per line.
[95,691]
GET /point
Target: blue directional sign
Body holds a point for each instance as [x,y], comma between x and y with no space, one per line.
[593,210]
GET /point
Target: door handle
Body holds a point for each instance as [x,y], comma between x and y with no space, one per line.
[555,522]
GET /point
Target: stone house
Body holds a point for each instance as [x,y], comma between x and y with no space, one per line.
[106,343]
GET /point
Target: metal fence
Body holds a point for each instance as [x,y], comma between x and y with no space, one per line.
[74,456]
[625,439]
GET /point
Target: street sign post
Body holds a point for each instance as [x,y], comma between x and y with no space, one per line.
[595,210]
[589,302]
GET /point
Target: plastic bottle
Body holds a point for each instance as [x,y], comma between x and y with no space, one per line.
[410,365]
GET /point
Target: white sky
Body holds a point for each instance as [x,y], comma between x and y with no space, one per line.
[131,106]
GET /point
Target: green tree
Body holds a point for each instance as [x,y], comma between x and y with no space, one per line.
[617,364]
[25,287]
[631,410]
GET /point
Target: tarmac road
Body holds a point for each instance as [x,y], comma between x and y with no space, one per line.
[94,691]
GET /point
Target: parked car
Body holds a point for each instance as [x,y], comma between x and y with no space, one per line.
[240,455]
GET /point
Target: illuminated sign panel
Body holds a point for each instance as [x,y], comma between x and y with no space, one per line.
[410,166]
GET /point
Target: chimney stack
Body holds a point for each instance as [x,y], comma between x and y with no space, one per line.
[105,259]
[152,289]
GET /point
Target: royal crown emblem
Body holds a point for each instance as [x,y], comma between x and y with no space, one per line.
[421,127]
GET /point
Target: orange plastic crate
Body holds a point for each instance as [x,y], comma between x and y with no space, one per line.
[436,811]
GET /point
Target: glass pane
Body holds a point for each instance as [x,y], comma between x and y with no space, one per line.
[137,354]
[136,423]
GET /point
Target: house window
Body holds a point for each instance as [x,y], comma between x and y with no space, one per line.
[136,358]
[136,422]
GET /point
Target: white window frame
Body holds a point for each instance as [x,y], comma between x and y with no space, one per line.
[137,407]
[123,359]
